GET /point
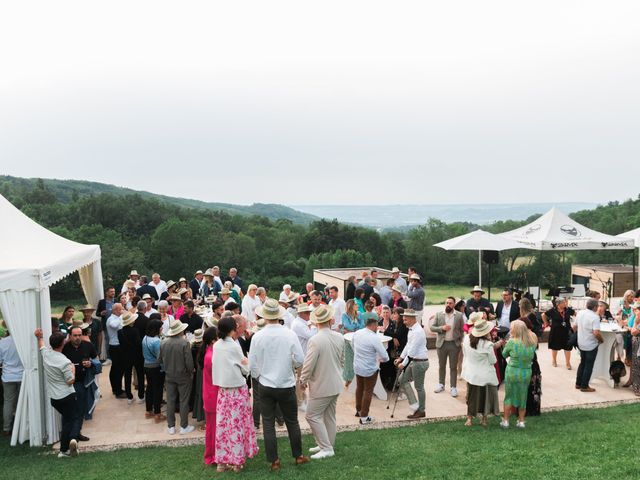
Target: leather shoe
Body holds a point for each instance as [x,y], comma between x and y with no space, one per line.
[417,414]
[82,438]
[588,389]
[302,460]
[275,466]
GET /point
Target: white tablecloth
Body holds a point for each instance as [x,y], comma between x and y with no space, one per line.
[605,353]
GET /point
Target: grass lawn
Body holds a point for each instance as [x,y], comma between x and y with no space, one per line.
[436,294]
[590,443]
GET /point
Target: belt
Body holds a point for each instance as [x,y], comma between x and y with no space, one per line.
[419,359]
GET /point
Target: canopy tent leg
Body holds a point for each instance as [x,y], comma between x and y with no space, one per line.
[480,268]
[43,412]
[635,277]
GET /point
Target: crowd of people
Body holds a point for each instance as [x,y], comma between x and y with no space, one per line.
[235,360]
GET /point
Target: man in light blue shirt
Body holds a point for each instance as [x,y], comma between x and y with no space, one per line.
[11,380]
[368,351]
[114,323]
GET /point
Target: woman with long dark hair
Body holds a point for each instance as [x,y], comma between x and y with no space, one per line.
[235,435]
[209,393]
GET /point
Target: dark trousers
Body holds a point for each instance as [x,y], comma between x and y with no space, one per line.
[255,394]
[81,394]
[68,408]
[587,359]
[115,374]
[155,384]
[127,370]
[138,364]
[364,392]
[285,398]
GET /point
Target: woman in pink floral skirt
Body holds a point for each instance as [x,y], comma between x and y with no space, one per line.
[235,437]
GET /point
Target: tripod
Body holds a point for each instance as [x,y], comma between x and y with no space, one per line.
[396,388]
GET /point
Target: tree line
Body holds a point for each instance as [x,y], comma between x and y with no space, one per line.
[148,235]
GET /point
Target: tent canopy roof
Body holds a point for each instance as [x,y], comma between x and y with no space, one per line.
[32,257]
[479,240]
[557,231]
[632,234]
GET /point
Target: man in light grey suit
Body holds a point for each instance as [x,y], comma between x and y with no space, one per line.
[322,371]
[449,327]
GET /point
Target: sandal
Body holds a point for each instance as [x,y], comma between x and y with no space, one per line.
[483,422]
[222,468]
[468,423]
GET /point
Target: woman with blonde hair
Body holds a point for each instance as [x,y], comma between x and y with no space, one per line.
[520,350]
[351,321]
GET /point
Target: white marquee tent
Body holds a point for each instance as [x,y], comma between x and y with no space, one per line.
[557,231]
[635,236]
[31,260]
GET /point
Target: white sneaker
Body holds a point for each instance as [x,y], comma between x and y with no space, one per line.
[171,430]
[315,449]
[106,363]
[504,423]
[401,397]
[439,388]
[323,454]
[130,401]
[73,448]
[414,407]
[303,407]
[187,429]
[454,392]
[141,400]
[64,454]
[366,420]
[520,424]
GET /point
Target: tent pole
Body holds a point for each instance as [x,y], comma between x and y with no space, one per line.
[635,278]
[43,410]
[480,268]
[539,279]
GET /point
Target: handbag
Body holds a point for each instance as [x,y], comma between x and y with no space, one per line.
[573,339]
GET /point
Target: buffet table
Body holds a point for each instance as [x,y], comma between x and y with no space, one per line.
[606,352]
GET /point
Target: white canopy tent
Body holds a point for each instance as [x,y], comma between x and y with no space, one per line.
[31,260]
[557,231]
[635,236]
[481,241]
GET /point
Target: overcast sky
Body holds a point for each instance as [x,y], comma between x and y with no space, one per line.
[326,102]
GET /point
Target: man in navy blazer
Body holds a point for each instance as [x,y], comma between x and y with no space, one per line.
[507,309]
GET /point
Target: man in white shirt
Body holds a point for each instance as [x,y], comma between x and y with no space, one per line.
[304,330]
[288,317]
[216,276]
[285,293]
[159,284]
[339,307]
[415,363]
[589,338]
[400,282]
[114,323]
[274,355]
[12,371]
[368,352]
[249,304]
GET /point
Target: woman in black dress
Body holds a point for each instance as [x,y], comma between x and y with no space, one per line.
[398,332]
[559,318]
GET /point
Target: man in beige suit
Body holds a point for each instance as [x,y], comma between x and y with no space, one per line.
[449,327]
[322,371]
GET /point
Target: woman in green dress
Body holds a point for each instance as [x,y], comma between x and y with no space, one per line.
[520,350]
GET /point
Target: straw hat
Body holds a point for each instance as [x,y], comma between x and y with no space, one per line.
[474,317]
[293,296]
[207,273]
[134,272]
[322,314]
[415,276]
[81,324]
[210,298]
[174,298]
[176,327]
[271,310]
[86,308]
[197,336]
[395,270]
[182,279]
[395,288]
[410,313]
[198,272]
[477,289]
[181,291]
[146,296]
[128,318]
[303,307]
[170,284]
[225,291]
[260,324]
[481,328]
[210,321]
[129,283]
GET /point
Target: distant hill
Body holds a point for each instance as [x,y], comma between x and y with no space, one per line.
[65,190]
[406,217]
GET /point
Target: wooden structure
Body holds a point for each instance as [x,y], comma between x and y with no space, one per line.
[610,280]
[338,277]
